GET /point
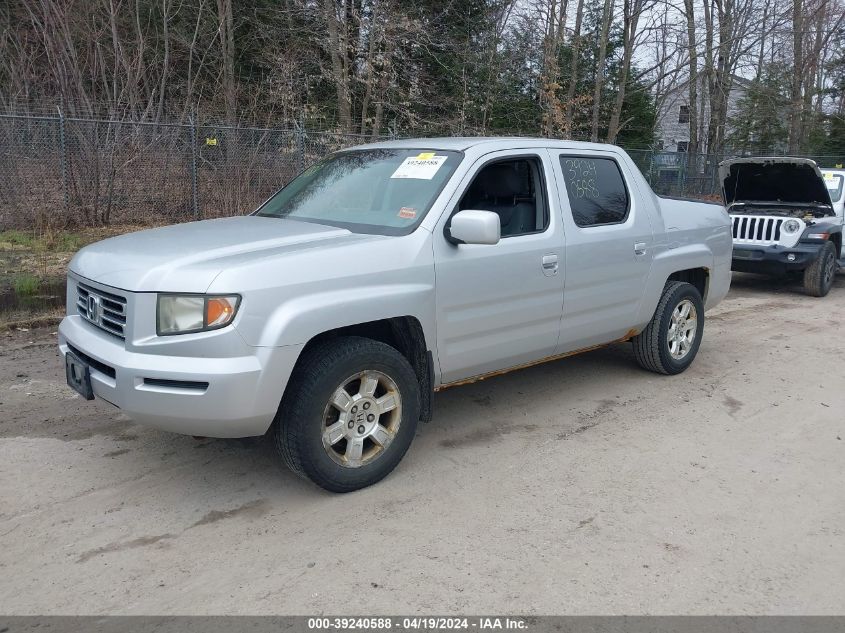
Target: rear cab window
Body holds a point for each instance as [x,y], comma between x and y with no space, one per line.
[596,190]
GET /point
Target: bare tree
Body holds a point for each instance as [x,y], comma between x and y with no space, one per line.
[796,110]
[569,103]
[553,37]
[692,88]
[631,12]
[227,50]
[602,55]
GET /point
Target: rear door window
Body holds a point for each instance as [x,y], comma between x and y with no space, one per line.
[596,190]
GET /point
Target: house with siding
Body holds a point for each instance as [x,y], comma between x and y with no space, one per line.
[672,135]
[673,131]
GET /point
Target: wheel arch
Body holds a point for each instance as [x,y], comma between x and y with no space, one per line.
[698,277]
[833,230]
[691,263]
[403,333]
[836,238]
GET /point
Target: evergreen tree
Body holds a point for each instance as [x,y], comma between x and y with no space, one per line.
[760,124]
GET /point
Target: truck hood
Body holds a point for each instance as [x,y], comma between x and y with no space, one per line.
[188,257]
[778,182]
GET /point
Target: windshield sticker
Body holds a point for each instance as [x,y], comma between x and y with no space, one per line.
[418,167]
[407,213]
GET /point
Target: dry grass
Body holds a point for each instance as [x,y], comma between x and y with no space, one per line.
[46,253]
[18,320]
[63,241]
[33,265]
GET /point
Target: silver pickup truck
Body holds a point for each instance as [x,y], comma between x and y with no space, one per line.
[380,275]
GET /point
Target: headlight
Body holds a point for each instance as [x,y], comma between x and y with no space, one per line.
[791,226]
[181,314]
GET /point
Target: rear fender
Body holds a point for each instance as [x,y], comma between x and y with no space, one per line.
[670,261]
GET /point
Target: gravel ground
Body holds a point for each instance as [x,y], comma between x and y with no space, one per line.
[581,486]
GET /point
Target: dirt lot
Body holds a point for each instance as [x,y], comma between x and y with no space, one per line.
[582,486]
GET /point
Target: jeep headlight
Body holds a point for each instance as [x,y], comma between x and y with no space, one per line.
[182,314]
[791,226]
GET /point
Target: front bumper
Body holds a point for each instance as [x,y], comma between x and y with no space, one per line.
[241,398]
[774,260]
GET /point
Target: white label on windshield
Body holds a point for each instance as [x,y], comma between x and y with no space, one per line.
[421,167]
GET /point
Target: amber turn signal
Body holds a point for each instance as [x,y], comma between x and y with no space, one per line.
[218,311]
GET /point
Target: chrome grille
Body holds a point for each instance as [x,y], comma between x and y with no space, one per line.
[749,229]
[105,310]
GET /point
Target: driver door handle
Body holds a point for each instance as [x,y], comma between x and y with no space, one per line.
[550,265]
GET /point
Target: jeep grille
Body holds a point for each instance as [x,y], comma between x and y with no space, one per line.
[749,229]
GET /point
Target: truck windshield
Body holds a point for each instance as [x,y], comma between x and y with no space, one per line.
[385,191]
[834,185]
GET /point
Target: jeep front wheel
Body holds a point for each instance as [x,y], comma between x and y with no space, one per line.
[819,276]
[349,413]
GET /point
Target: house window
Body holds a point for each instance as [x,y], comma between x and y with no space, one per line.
[683,114]
[658,145]
[683,146]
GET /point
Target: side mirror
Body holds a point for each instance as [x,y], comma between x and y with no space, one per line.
[475,227]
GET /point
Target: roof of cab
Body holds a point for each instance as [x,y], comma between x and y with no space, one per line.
[492,143]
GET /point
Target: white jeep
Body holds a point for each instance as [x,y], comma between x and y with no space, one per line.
[783,219]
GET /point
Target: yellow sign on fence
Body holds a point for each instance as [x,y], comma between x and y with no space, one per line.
[211,141]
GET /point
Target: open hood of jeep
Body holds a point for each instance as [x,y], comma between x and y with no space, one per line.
[773,181]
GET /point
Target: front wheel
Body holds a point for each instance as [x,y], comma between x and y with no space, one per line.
[349,413]
[819,276]
[671,339]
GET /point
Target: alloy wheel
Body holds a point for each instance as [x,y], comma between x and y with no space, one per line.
[683,328]
[362,418]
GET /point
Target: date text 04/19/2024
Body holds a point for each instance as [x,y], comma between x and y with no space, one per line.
[417,623]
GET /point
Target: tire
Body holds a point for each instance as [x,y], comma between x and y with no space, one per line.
[317,429]
[653,348]
[820,275]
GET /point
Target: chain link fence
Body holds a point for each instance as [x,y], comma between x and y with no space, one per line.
[680,174]
[65,182]
[66,172]
[694,175]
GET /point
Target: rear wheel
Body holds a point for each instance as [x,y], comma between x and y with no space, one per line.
[819,276]
[671,339]
[349,413]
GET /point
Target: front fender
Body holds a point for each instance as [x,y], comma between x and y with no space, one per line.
[299,319]
[820,227]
